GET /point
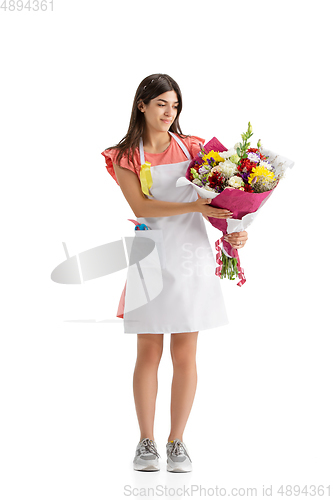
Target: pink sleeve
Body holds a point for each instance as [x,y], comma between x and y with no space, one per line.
[110,158]
[192,144]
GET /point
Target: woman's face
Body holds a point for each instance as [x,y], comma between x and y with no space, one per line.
[161,111]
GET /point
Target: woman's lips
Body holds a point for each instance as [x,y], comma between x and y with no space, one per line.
[166,121]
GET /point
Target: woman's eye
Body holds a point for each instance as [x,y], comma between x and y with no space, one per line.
[163,105]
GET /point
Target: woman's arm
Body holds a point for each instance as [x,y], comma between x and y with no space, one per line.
[203,214]
[145,207]
[236,240]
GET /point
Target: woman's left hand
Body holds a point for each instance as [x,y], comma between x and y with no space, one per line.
[236,240]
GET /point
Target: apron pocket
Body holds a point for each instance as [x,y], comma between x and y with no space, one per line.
[157,236]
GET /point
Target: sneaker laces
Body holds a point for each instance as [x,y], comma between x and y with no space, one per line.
[147,445]
[178,448]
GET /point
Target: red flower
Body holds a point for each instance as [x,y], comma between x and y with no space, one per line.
[247,164]
[248,188]
[216,180]
[253,150]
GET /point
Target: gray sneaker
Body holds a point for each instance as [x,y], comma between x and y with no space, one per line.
[178,458]
[146,456]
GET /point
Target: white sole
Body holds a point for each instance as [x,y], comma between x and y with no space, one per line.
[174,468]
[146,467]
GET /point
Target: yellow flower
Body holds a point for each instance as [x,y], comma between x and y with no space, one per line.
[212,154]
[261,172]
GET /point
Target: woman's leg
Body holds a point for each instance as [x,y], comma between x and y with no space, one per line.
[149,352]
[183,347]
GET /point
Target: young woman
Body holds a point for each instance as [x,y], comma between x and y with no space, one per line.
[191,297]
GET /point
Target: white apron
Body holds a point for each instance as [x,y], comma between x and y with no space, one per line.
[184,294]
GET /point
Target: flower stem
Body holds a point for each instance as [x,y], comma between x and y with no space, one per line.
[229,267]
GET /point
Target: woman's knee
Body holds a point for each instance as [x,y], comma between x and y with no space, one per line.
[183,349]
[150,348]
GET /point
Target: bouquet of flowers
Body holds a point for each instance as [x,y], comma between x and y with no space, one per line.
[239,179]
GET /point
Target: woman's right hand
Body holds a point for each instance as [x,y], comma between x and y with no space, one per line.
[203,205]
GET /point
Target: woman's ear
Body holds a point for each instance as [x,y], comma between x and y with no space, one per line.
[141,105]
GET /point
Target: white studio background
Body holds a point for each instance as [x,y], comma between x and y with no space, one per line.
[262,413]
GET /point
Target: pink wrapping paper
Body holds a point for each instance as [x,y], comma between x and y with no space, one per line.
[240,203]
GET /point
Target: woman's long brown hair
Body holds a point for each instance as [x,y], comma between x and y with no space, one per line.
[152,86]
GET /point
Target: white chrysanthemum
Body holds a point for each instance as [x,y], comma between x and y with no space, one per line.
[197,181]
[266,164]
[227,154]
[227,168]
[236,182]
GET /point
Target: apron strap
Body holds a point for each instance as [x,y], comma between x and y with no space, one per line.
[181,144]
[142,153]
